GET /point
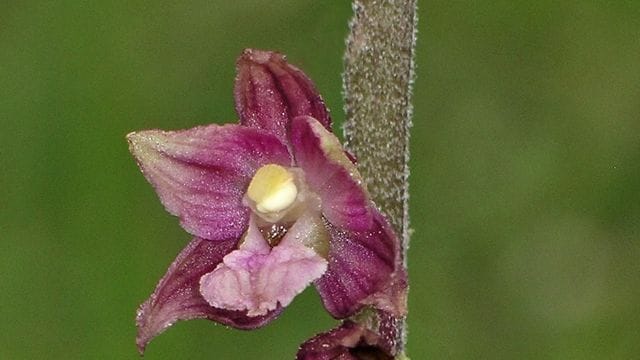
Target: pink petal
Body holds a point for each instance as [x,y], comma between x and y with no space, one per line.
[269,92]
[331,174]
[364,269]
[349,341]
[258,279]
[201,174]
[177,295]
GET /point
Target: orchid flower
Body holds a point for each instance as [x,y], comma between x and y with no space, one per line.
[274,204]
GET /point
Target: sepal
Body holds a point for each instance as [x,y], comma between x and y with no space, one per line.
[201,174]
[269,92]
[177,295]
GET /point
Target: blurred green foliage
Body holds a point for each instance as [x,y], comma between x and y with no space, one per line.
[525,172]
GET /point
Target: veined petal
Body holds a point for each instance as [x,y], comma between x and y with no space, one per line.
[258,279]
[201,174]
[331,174]
[269,92]
[349,341]
[177,295]
[364,269]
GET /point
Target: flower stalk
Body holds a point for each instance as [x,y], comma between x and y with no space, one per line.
[377,81]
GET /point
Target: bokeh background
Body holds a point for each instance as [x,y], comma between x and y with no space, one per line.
[525,187]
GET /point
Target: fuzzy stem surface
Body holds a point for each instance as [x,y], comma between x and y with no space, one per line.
[377,80]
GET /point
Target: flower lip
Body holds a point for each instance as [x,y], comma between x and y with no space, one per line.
[257,278]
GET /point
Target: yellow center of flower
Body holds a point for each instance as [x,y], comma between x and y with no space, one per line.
[272,189]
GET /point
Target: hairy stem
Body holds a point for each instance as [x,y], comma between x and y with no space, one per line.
[378,77]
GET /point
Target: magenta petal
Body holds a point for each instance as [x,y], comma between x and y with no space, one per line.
[362,271]
[331,174]
[201,174]
[269,92]
[349,341]
[257,278]
[177,296]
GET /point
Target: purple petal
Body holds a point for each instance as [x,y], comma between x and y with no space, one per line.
[364,269]
[331,174]
[349,341]
[259,279]
[177,295]
[201,174]
[269,92]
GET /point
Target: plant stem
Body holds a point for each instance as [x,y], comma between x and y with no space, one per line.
[378,78]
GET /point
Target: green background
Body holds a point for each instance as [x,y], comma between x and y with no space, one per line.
[525,185]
